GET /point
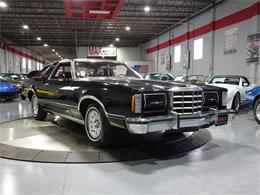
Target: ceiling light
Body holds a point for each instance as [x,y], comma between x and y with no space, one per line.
[25,27]
[127,28]
[3,4]
[117,39]
[57,53]
[39,38]
[53,50]
[45,45]
[147,8]
[111,45]
[59,56]
[100,12]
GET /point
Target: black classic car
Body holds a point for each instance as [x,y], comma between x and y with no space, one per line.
[102,94]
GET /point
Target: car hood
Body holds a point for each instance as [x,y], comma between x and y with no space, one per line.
[143,85]
[6,86]
[226,86]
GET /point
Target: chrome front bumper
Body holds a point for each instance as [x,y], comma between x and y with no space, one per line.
[174,122]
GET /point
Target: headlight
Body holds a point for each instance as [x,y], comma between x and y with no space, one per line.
[224,98]
[136,103]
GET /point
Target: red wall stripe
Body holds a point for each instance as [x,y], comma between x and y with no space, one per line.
[237,17]
[20,53]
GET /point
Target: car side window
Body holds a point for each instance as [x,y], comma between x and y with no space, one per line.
[165,77]
[62,72]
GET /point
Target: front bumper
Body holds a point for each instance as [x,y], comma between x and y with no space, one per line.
[174,122]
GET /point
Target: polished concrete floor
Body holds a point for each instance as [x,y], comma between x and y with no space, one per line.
[227,165]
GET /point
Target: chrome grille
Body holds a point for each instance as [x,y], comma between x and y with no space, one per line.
[187,102]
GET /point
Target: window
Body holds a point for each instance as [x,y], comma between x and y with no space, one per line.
[63,72]
[29,64]
[24,63]
[198,49]
[231,41]
[177,54]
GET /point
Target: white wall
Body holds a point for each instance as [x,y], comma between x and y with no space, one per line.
[11,62]
[214,60]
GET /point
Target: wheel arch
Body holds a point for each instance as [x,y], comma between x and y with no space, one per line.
[86,100]
[31,92]
[256,98]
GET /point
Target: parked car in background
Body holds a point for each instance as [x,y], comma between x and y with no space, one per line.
[193,79]
[159,76]
[181,79]
[253,101]
[16,79]
[8,91]
[237,87]
[102,94]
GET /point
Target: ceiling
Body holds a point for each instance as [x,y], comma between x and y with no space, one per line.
[48,19]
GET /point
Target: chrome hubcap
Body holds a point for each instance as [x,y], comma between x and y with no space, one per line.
[258,112]
[35,106]
[94,123]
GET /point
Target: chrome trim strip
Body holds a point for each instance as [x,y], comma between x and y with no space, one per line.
[56,103]
[67,117]
[91,97]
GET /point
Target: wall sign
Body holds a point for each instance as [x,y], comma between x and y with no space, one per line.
[253,43]
[102,52]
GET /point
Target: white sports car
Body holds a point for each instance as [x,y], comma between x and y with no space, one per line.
[236,86]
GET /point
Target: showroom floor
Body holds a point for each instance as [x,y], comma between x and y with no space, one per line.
[228,164]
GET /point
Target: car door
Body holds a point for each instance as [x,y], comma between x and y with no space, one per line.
[55,91]
[244,86]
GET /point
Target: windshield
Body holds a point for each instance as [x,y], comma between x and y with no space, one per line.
[4,78]
[225,80]
[152,76]
[180,79]
[103,69]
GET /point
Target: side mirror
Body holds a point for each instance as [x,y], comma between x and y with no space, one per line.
[245,85]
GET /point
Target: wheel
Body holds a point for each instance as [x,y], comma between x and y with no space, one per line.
[236,103]
[97,126]
[257,111]
[37,110]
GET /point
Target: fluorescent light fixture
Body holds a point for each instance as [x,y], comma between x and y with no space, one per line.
[39,38]
[147,9]
[3,4]
[57,53]
[25,27]
[117,39]
[127,28]
[53,50]
[101,12]
[45,45]
[59,56]
[111,45]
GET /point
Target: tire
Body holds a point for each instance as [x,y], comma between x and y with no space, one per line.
[97,126]
[257,111]
[236,103]
[37,110]
[23,97]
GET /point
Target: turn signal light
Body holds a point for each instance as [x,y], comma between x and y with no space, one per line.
[136,103]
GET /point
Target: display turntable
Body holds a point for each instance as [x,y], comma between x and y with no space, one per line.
[58,140]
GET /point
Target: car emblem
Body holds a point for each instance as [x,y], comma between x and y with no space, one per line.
[212,99]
